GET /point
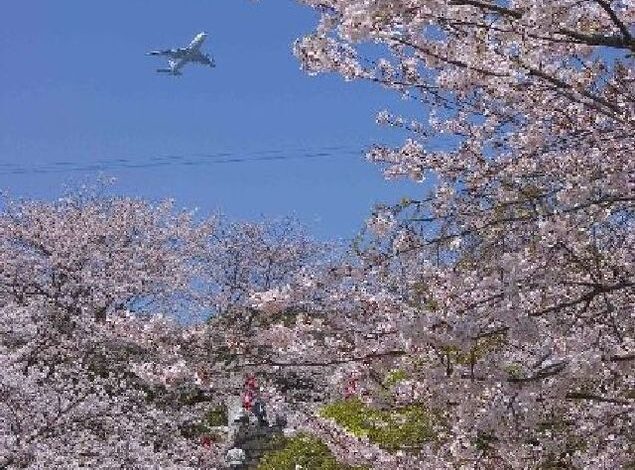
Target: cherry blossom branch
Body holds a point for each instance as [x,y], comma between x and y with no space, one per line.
[516,14]
[587,297]
[597,398]
[333,362]
[448,60]
[621,26]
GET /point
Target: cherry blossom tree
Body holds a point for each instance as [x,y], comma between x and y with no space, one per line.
[510,284]
[87,378]
[95,373]
[245,258]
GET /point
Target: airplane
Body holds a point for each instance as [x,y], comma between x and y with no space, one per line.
[177,58]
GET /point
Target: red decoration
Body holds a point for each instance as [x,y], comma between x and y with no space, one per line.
[249,395]
[248,400]
[351,388]
[206,440]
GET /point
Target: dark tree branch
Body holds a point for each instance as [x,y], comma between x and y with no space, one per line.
[489,6]
[598,398]
[621,26]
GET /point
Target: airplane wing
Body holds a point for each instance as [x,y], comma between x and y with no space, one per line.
[203,59]
[177,64]
[171,53]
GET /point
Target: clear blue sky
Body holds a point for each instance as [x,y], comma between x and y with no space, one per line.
[77,90]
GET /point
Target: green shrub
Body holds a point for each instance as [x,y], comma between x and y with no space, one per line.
[400,428]
[214,417]
[305,450]
[217,416]
[394,377]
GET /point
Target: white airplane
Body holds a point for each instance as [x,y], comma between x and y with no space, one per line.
[177,58]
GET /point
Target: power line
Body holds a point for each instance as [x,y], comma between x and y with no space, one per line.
[200,159]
